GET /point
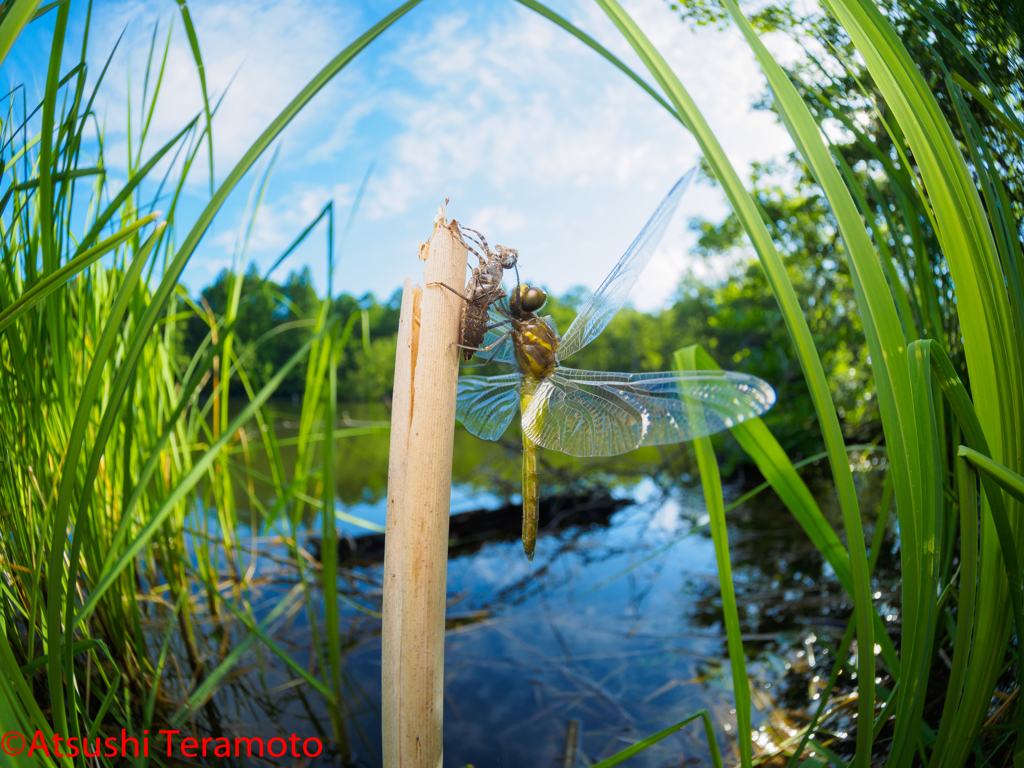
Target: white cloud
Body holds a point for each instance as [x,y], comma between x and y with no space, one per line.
[497,219]
[540,143]
[515,112]
[265,52]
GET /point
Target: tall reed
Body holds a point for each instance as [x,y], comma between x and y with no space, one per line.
[109,431]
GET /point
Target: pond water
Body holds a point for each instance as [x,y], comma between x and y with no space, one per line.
[615,624]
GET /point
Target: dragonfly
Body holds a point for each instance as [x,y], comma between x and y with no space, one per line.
[594,413]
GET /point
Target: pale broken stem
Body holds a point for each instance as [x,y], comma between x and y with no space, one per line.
[419,495]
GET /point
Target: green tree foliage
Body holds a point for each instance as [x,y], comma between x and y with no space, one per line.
[367,365]
[982,41]
[984,45]
[738,320]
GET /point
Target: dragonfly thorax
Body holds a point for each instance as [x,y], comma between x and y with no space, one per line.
[534,342]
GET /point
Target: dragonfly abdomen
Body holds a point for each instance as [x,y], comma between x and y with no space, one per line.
[531,489]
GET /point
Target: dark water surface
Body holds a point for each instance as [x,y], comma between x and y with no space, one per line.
[614,624]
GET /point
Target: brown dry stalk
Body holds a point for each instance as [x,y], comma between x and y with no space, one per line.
[419,491]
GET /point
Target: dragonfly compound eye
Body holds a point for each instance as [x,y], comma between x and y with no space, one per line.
[533,299]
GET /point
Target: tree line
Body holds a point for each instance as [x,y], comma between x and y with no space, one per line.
[735,319]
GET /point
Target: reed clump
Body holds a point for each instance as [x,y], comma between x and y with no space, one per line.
[121,455]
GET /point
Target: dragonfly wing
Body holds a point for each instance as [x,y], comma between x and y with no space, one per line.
[503,352]
[486,404]
[581,420]
[612,294]
[590,413]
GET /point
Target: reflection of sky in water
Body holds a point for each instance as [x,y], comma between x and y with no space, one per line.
[558,645]
[540,643]
[617,626]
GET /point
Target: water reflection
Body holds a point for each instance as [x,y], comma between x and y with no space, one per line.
[616,625]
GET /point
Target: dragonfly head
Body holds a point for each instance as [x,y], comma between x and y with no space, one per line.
[527,298]
[507,256]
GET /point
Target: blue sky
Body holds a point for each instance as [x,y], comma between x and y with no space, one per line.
[539,143]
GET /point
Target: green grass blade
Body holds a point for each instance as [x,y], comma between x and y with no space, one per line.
[711,481]
[150,708]
[56,280]
[105,705]
[989,336]
[587,40]
[325,211]
[18,691]
[970,425]
[329,551]
[113,568]
[908,418]
[775,271]
[1007,479]
[129,188]
[780,473]
[69,475]
[1007,122]
[16,17]
[906,314]
[628,752]
[197,56]
[267,641]
[1004,225]
[844,645]
[177,264]
[966,607]
[1013,484]
[208,687]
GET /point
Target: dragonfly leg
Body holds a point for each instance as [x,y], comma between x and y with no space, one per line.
[445,285]
[482,242]
[501,307]
[492,346]
[497,325]
[473,250]
[488,348]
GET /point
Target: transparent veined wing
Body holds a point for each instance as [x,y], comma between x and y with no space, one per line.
[613,292]
[586,421]
[591,413]
[503,353]
[486,404]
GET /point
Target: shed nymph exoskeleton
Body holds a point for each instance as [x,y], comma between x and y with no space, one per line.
[483,290]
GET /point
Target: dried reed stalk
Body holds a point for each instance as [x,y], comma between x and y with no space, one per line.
[419,491]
